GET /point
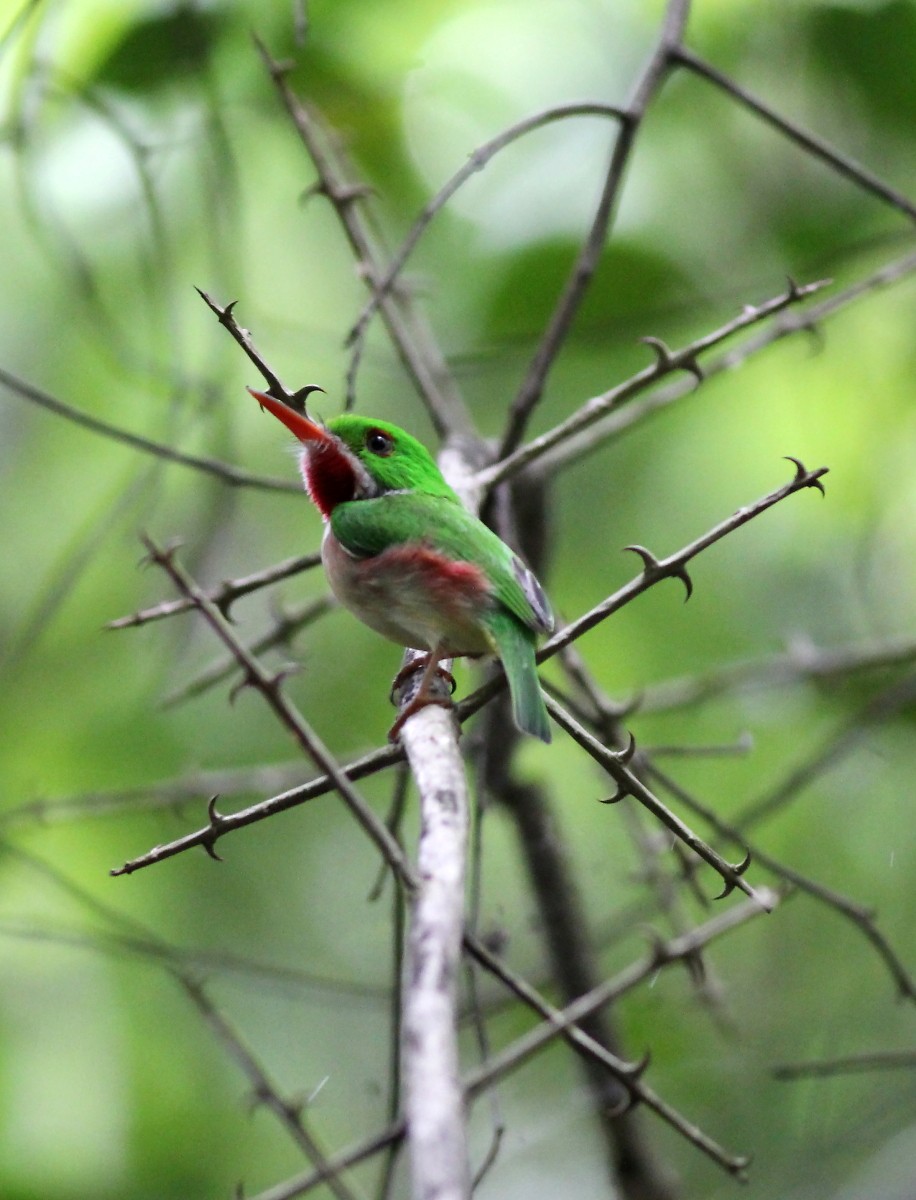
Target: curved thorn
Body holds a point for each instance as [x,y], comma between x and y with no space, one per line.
[683,575]
[623,756]
[649,561]
[693,367]
[741,867]
[730,886]
[738,869]
[213,816]
[617,796]
[208,846]
[298,399]
[696,966]
[238,687]
[800,469]
[664,361]
[637,1069]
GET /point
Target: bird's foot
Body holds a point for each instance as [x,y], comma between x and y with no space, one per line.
[425,691]
[414,667]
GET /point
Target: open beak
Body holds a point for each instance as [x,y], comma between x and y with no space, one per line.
[305,429]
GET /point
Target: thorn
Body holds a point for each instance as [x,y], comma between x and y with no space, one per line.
[696,966]
[650,563]
[801,474]
[739,869]
[215,819]
[617,796]
[794,292]
[284,672]
[298,398]
[623,756]
[238,688]
[637,1069]
[666,361]
[158,556]
[653,568]
[684,576]
[663,359]
[658,948]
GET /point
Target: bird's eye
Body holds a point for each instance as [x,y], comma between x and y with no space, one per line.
[380,443]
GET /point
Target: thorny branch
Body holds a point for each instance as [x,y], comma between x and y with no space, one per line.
[672,567]
[784,324]
[563,1023]
[270,687]
[666,363]
[427,369]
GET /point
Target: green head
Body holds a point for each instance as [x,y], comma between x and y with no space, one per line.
[353,458]
[395,461]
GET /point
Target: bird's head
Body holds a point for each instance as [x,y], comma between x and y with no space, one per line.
[356,458]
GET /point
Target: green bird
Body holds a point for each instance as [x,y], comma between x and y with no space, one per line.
[404,555]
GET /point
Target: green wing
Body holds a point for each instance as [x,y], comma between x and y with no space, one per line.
[368,527]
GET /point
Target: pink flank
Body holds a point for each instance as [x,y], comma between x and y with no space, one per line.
[414,596]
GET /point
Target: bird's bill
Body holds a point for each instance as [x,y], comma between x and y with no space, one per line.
[305,429]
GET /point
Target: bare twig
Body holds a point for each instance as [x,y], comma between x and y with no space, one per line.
[233,476]
[888,1060]
[476,162]
[264,1090]
[560,1023]
[225,314]
[412,340]
[860,916]
[573,293]
[675,565]
[287,625]
[815,146]
[888,702]
[224,596]
[802,662]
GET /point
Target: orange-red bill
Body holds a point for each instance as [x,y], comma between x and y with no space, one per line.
[305,429]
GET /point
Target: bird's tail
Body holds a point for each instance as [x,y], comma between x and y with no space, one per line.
[515,646]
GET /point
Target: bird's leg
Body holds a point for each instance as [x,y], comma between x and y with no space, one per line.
[425,692]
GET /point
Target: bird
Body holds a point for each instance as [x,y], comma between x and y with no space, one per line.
[405,556]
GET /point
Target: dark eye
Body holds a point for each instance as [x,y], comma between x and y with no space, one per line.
[378,442]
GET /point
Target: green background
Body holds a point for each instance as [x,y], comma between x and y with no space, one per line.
[143,153]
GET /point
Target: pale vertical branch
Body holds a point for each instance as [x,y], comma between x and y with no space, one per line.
[434,1097]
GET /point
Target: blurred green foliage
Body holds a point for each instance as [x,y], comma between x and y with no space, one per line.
[144,152]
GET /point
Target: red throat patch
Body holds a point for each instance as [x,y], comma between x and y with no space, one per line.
[328,475]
